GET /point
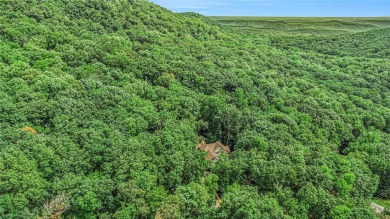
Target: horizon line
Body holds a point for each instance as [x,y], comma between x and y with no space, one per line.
[290,16]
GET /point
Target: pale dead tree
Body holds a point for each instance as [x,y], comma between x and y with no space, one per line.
[230,119]
[55,207]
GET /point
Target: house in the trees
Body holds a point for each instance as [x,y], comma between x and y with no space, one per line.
[213,150]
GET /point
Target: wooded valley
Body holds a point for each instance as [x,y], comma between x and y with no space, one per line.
[102,104]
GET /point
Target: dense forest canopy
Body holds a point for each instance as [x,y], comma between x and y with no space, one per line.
[103,102]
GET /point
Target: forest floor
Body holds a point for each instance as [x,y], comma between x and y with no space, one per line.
[382,202]
[378,208]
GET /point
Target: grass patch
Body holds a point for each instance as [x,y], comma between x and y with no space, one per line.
[383,202]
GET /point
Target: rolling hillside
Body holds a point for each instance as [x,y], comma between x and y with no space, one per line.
[103,102]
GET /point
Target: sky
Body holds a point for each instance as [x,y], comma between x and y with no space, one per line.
[317,8]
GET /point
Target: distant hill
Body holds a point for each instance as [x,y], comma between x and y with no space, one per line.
[303,26]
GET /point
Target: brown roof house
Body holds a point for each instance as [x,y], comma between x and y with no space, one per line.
[213,150]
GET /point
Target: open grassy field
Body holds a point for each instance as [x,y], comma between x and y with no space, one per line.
[304,25]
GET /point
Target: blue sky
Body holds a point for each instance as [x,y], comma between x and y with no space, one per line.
[325,8]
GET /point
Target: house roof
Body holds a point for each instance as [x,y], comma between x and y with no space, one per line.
[211,149]
[210,155]
[201,145]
